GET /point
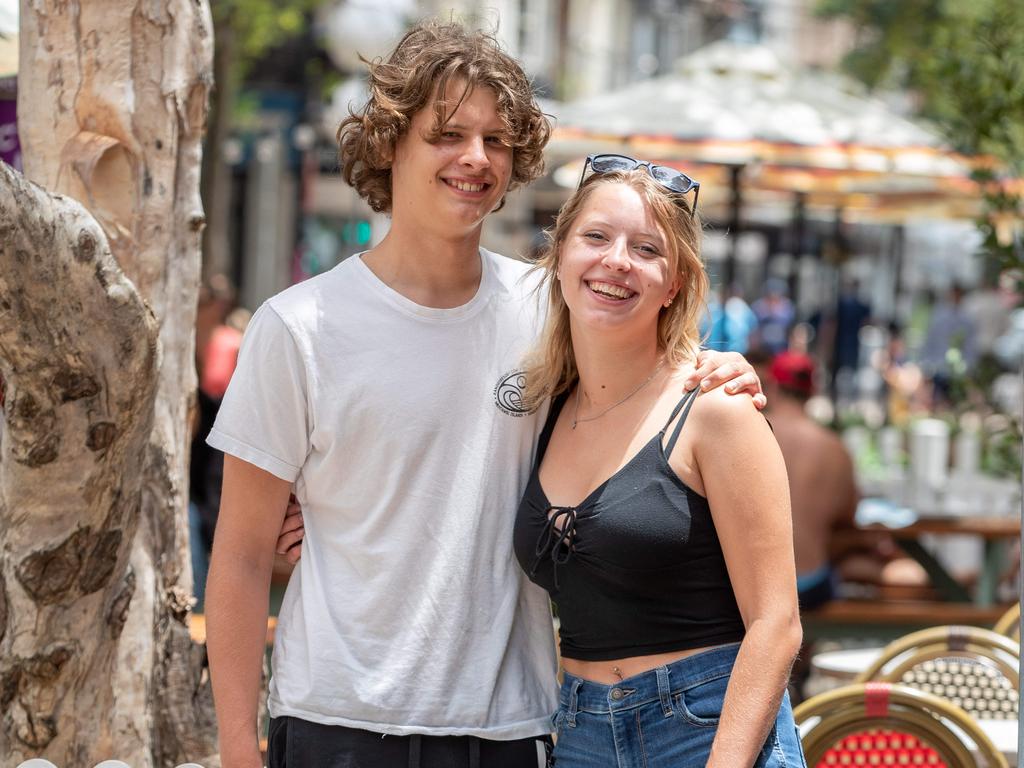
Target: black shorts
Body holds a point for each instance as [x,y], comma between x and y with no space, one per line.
[295,743]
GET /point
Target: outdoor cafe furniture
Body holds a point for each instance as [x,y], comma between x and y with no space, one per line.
[888,619]
[975,669]
[995,532]
[891,724]
[1009,623]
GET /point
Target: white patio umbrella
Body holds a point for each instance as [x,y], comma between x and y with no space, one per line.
[736,106]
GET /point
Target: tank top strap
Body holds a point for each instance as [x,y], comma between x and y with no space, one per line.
[684,405]
[549,426]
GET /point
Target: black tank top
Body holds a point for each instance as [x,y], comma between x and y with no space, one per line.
[636,568]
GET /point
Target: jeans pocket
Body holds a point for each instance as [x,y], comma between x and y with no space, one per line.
[701,704]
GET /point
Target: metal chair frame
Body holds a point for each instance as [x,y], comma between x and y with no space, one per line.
[1009,623]
[844,712]
[972,643]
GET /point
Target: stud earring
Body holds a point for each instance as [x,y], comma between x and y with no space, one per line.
[668,303]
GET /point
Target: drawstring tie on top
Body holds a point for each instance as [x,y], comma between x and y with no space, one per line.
[555,539]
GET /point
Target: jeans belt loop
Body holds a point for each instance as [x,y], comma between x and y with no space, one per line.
[570,716]
[664,691]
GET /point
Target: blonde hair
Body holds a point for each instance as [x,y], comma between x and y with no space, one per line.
[430,57]
[551,366]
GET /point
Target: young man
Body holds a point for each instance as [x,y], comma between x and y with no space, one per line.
[388,392]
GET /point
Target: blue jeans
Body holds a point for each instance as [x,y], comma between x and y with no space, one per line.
[663,718]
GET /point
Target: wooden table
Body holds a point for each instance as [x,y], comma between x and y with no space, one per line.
[995,532]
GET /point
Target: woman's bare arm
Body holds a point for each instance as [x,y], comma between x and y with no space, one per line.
[744,479]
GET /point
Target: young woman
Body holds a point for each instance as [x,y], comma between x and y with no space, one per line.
[661,527]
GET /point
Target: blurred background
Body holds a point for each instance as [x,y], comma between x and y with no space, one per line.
[860,165]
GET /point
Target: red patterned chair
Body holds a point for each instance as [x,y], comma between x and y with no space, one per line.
[881,724]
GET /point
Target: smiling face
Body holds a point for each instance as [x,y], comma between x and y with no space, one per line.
[448,185]
[615,263]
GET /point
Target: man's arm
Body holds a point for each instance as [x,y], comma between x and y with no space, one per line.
[252,507]
[717,368]
[713,370]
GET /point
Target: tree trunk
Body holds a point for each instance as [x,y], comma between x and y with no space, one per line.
[96,349]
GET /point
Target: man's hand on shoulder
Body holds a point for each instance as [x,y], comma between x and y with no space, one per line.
[730,368]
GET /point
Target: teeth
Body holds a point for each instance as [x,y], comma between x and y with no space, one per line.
[465,186]
[614,291]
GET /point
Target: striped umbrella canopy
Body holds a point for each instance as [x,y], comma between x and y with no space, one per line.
[731,105]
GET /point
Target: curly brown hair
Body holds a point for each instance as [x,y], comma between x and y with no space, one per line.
[429,57]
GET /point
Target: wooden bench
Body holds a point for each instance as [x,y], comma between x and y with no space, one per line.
[888,619]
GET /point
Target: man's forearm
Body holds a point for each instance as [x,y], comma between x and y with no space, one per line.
[237,606]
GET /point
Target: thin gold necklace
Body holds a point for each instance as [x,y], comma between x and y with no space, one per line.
[576,411]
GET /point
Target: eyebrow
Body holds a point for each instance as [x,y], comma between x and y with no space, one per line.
[602,223]
[463,127]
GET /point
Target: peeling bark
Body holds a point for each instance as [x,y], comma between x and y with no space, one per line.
[99,270]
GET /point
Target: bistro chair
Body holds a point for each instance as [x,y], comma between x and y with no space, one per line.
[973,668]
[1009,623]
[890,724]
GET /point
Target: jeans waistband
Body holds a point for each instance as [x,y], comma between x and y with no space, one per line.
[657,684]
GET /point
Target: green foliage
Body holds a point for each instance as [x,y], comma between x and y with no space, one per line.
[965,60]
[259,25]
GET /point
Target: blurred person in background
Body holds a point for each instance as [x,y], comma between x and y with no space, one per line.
[728,325]
[822,486]
[829,549]
[989,307]
[950,345]
[851,315]
[903,380]
[217,343]
[775,315]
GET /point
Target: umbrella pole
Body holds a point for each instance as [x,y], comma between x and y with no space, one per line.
[735,207]
[1020,598]
[798,234]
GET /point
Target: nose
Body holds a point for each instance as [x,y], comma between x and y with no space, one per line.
[616,257]
[474,154]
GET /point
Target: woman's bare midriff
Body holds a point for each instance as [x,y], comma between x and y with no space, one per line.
[612,672]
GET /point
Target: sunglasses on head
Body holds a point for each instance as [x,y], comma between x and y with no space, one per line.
[669,178]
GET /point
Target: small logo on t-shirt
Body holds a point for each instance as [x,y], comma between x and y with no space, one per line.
[508,394]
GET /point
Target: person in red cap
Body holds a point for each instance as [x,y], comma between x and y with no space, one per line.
[824,497]
[822,488]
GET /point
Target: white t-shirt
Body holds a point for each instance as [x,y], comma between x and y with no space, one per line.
[402,428]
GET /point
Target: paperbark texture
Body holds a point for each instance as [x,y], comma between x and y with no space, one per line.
[97,307]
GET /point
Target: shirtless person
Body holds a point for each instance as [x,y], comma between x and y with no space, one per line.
[822,488]
[824,497]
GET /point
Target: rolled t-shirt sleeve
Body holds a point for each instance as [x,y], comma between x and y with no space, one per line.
[264,418]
